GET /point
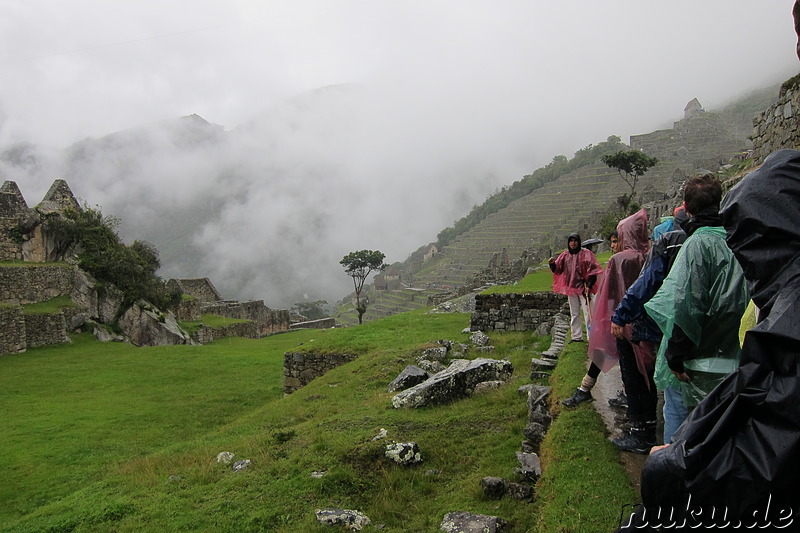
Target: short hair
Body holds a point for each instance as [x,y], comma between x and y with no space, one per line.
[701,193]
[613,235]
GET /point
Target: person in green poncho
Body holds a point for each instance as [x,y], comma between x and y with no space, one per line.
[698,308]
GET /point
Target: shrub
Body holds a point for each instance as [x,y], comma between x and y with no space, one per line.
[101,253]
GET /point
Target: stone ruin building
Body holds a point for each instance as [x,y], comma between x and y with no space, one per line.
[201,297]
[36,268]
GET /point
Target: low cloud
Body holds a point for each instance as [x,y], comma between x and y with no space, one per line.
[361,125]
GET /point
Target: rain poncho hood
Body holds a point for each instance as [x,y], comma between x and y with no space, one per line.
[670,223]
[739,450]
[621,271]
[704,294]
[577,237]
[573,269]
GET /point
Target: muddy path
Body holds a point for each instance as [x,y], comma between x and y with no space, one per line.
[607,386]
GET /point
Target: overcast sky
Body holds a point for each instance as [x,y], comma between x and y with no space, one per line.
[87,67]
[473,93]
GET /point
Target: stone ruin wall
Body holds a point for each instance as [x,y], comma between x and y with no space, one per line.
[45,329]
[29,285]
[268,321]
[299,369]
[494,312]
[777,127]
[30,243]
[198,288]
[703,141]
[206,299]
[499,271]
[12,332]
[10,249]
[34,284]
[247,330]
[189,309]
[516,312]
[321,323]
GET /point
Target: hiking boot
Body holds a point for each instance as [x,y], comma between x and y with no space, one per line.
[620,401]
[578,397]
[639,439]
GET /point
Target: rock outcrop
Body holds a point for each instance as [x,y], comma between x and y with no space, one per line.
[462,522]
[456,381]
[145,325]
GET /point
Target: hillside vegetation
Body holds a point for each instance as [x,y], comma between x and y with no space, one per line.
[102,437]
[558,167]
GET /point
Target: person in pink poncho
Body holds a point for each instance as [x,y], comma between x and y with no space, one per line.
[575,273]
[637,361]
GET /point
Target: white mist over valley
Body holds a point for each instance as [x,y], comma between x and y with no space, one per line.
[313,129]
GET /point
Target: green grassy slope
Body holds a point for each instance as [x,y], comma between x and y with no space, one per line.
[108,437]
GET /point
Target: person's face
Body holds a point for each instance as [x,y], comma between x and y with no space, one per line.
[573,244]
[614,245]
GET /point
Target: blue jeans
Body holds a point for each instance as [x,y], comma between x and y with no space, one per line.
[675,411]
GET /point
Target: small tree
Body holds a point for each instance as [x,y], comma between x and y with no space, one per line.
[359,265]
[101,253]
[631,165]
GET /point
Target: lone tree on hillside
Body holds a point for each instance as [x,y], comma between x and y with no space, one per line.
[631,165]
[359,265]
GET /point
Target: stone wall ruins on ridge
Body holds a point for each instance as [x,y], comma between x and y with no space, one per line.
[38,270]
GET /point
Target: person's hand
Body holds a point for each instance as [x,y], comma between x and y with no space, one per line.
[682,376]
[656,448]
[616,330]
[552,260]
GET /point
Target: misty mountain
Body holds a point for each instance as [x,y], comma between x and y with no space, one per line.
[266,210]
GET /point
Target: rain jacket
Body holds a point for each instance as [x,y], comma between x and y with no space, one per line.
[704,295]
[621,271]
[665,227]
[658,264]
[739,450]
[573,270]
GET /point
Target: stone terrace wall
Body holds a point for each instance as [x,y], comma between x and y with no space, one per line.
[12,332]
[515,312]
[300,368]
[45,329]
[206,334]
[777,127]
[703,141]
[269,321]
[322,323]
[34,284]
